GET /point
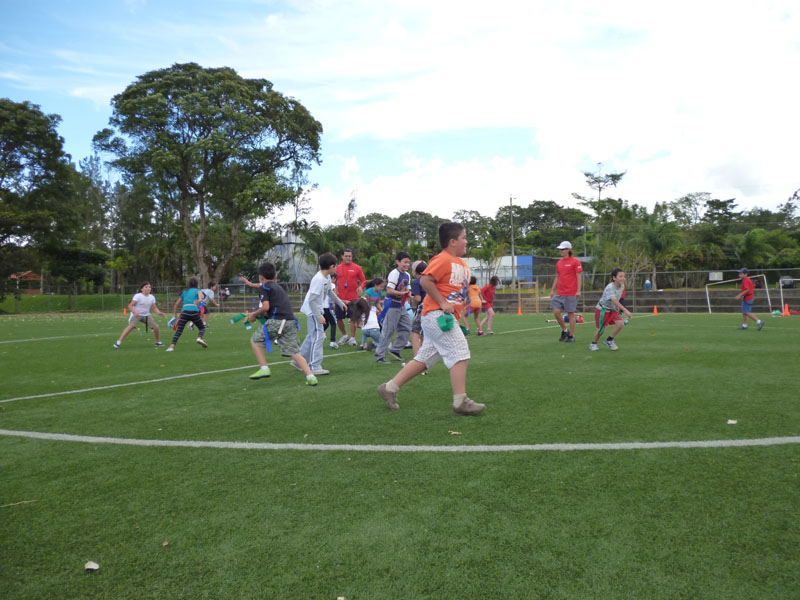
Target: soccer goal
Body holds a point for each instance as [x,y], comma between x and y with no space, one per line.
[763,287]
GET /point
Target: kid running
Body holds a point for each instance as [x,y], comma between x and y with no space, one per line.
[140,306]
[396,319]
[319,290]
[281,325]
[188,303]
[474,304]
[609,311]
[445,281]
[487,293]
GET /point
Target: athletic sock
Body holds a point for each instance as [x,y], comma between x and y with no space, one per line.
[392,386]
[457,398]
[609,339]
[310,376]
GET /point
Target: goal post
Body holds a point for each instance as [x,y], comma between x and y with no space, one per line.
[764,287]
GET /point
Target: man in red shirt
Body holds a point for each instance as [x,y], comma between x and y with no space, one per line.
[349,286]
[566,289]
[747,295]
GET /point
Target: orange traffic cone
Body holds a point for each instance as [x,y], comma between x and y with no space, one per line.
[655,309]
[786,310]
[124,311]
[519,310]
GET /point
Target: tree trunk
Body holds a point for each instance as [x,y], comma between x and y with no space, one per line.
[197,242]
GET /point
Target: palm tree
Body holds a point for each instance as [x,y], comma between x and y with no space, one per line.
[750,249]
[657,238]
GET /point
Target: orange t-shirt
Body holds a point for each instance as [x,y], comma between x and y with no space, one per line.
[452,277]
[474,294]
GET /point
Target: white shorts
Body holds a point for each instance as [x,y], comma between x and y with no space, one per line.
[451,346]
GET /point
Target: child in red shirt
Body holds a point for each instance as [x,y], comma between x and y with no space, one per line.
[487,294]
[747,295]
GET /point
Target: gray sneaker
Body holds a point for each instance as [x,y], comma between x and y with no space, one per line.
[593,347]
[760,325]
[202,342]
[610,344]
[468,407]
[319,371]
[390,398]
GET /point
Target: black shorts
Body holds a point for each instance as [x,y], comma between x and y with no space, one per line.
[345,314]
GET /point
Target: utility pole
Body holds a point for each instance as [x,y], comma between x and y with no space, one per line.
[513,259]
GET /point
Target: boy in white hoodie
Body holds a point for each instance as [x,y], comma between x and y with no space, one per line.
[319,290]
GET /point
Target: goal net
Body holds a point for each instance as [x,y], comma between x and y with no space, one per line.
[764,288]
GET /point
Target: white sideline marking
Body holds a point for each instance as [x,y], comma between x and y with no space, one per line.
[63,437]
[186,375]
[57,337]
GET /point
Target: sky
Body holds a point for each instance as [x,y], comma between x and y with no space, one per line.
[449,105]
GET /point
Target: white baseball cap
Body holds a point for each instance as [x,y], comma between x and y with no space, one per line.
[565,245]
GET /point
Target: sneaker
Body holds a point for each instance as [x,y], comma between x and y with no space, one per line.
[468,407]
[760,325]
[610,344]
[480,332]
[369,345]
[362,347]
[490,332]
[744,327]
[382,360]
[170,349]
[117,344]
[390,398]
[396,355]
[352,342]
[333,345]
[570,338]
[159,344]
[320,372]
[202,342]
[408,346]
[295,365]
[261,373]
[311,381]
[593,346]
[343,339]
[564,336]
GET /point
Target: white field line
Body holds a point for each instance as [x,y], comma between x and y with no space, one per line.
[201,373]
[57,337]
[63,437]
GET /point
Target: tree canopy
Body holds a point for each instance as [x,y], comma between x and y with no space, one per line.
[220,149]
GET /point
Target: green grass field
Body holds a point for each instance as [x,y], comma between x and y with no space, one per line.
[392,515]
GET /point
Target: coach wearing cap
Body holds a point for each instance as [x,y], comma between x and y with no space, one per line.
[566,289]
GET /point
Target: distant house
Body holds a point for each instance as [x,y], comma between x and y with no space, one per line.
[27,282]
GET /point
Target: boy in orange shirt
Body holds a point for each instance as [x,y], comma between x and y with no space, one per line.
[445,281]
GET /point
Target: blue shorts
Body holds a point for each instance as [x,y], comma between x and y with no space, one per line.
[747,306]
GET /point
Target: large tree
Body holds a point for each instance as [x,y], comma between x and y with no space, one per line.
[224,149]
[36,186]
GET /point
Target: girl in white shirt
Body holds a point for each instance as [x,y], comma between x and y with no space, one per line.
[139,308]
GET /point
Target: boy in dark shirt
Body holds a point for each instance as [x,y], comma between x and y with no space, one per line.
[281,324]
